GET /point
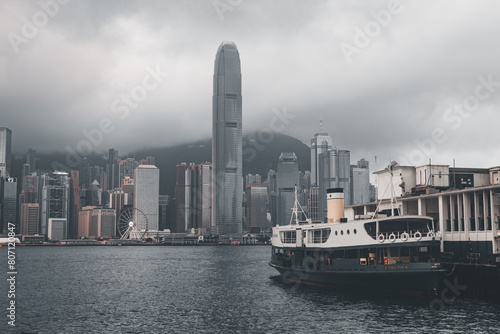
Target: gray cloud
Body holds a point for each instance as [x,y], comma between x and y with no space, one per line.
[386,101]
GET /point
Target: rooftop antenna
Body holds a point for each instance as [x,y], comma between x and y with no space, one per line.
[321,125]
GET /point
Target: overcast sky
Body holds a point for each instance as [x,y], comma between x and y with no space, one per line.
[404,82]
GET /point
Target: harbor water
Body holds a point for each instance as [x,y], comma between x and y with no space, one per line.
[207,289]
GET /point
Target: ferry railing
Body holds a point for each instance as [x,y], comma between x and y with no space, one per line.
[411,233]
[447,256]
[473,257]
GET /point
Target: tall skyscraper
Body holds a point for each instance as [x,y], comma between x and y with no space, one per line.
[321,142]
[112,170]
[146,194]
[288,178]
[29,218]
[163,214]
[256,212]
[185,198]
[5,151]
[360,182]
[74,203]
[272,193]
[9,202]
[55,199]
[334,172]
[31,159]
[193,196]
[227,190]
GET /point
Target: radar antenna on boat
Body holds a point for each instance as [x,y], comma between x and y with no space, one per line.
[295,209]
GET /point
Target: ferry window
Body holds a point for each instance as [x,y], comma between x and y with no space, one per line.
[355,231]
[348,232]
[336,233]
[320,236]
[288,237]
[342,232]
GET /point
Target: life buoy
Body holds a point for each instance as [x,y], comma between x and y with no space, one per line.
[386,260]
[404,236]
[392,237]
[417,235]
[430,234]
[381,238]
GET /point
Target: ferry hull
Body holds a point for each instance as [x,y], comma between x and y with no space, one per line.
[411,282]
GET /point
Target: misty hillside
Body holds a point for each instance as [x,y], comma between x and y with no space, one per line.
[258,158]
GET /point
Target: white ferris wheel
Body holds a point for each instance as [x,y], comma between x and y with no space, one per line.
[133,224]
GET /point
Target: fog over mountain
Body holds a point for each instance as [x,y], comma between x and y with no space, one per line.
[404,81]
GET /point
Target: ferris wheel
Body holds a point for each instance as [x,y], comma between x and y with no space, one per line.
[133,224]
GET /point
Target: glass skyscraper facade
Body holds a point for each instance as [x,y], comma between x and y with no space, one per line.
[5,151]
[288,178]
[334,172]
[227,190]
[146,195]
[321,142]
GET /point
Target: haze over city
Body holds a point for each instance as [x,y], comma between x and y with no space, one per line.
[387,79]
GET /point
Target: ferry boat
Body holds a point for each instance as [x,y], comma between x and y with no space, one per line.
[396,254]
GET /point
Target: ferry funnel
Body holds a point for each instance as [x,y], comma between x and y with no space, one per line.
[335,204]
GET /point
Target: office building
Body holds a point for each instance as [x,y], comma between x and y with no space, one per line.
[227,189]
[334,172]
[287,179]
[8,200]
[112,170]
[29,218]
[31,159]
[57,229]
[5,151]
[321,142]
[163,212]
[55,198]
[256,210]
[146,192]
[74,183]
[193,197]
[360,182]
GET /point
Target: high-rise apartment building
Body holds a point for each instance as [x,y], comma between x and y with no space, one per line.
[5,151]
[146,192]
[227,190]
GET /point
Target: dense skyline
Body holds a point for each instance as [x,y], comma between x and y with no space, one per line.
[375,99]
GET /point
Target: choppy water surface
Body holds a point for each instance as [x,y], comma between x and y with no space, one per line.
[212,289]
